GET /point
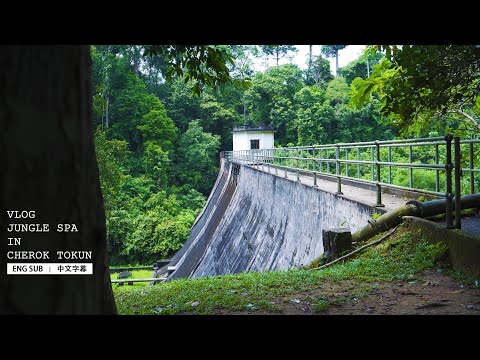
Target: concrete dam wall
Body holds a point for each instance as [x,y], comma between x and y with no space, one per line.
[255,221]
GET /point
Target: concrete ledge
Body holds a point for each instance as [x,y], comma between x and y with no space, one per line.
[363,185]
[463,247]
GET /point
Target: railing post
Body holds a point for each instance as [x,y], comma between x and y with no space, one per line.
[328,162]
[379,179]
[410,159]
[389,167]
[472,177]
[276,162]
[337,170]
[320,163]
[346,164]
[302,156]
[307,159]
[448,171]
[267,152]
[373,166]
[286,163]
[313,159]
[458,190]
[298,172]
[358,165]
[437,179]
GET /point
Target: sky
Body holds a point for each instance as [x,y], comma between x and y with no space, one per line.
[350,53]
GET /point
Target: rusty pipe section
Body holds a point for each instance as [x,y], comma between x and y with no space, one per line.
[412,208]
[385,222]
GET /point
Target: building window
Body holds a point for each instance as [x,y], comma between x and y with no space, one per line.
[254,144]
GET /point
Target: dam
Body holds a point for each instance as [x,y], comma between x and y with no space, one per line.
[268,208]
[255,221]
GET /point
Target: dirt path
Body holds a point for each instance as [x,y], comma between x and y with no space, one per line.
[431,293]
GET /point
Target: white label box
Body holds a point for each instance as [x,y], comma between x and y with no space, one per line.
[49,268]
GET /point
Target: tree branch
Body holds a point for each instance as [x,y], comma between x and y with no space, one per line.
[471,118]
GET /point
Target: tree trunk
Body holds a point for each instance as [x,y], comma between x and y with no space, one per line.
[244,111]
[107,118]
[336,62]
[310,59]
[103,114]
[336,242]
[48,164]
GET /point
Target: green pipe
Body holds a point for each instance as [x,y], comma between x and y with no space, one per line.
[384,222]
[411,208]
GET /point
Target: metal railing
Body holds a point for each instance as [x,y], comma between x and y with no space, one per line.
[374,163]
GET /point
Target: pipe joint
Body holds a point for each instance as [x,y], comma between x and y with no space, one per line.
[418,205]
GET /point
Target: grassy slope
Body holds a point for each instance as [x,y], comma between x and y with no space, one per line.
[399,258]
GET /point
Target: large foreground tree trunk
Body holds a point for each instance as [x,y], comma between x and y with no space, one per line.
[48,164]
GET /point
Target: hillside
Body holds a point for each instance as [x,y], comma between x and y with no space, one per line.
[402,275]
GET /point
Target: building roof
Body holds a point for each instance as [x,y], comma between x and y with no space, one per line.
[253,128]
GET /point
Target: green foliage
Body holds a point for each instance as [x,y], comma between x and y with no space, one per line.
[337,91]
[156,126]
[197,162]
[278,51]
[111,157]
[217,119]
[128,102]
[269,100]
[361,67]
[243,60]
[319,72]
[332,51]
[150,225]
[180,105]
[201,64]
[422,85]
[149,211]
[155,163]
[313,116]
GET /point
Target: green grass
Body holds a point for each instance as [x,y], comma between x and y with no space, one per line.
[136,274]
[398,258]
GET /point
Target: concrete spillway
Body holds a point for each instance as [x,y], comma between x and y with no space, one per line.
[255,221]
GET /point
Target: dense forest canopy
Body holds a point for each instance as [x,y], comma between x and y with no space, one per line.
[160,127]
[425,87]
